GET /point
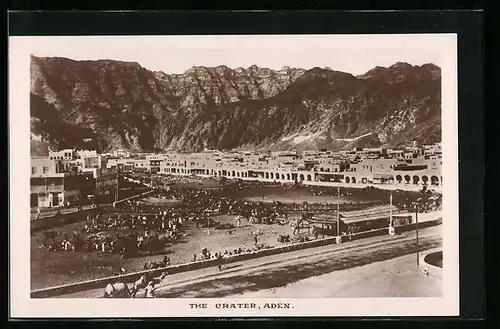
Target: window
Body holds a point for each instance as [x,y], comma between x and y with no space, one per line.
[45,169]
[33,170]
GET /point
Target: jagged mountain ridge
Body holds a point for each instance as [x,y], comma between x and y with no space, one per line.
[110,104]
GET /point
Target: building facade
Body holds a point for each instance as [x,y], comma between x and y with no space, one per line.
[375,166]
[60,189]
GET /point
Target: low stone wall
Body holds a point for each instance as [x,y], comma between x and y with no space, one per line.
[413,226]
[100,283]
[142,195]
[425,263]
[58,220]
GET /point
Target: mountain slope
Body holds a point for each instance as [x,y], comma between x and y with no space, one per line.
[109,104]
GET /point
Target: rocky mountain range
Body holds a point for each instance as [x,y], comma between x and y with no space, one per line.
[109,105]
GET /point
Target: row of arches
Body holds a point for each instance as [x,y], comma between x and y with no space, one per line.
[399,179]
[229,173]
[415,179]
[407,179]
[350,180]
[278,176]
[266,175]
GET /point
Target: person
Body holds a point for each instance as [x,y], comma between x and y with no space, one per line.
[150,290]
[238,221]
[166,260]
[219,261]
[255,239]
[296,229]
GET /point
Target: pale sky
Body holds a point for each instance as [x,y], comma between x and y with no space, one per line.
[354,54]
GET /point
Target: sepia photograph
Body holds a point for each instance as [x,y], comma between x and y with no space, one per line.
[250,174]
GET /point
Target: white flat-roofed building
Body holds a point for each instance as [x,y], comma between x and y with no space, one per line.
[66,154]
[155,157]
[60,189]
[82,154]
[141,164]
[121,153]
[43,167]
[370,166]
[122,164]
[51,186]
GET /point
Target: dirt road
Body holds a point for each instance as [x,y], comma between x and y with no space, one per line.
[397,277]
[51,212]
[268,273]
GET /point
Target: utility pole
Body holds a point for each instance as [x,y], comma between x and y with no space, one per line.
[338,210]
[338,239]
[390,210]
[117,188]
[417,204]
[208,224]
[46,191]
[391,227]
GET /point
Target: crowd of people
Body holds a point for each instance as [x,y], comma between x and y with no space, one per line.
[148,229]
[143,229]
[137,229]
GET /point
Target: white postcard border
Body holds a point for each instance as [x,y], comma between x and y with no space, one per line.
[21,305]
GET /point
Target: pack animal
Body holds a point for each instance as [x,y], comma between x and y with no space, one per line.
[117,290]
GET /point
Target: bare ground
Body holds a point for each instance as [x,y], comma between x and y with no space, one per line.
[64,267]
[381,266]
[266,280]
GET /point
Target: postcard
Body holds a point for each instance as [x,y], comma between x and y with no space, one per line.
[233,176]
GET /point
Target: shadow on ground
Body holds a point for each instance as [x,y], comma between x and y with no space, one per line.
[282,276]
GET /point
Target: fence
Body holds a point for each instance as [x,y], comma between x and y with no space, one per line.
[413,226]
[141,195]
[71,217]
[346,206]
[100,283]
[58,220]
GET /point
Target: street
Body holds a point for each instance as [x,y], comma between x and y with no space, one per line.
[44,213]
[264,275]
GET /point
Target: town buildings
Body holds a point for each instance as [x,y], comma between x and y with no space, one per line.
[51,186]
[405,168]
[64,177]
[377,166]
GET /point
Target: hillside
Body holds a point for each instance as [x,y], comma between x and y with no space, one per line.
[110,104]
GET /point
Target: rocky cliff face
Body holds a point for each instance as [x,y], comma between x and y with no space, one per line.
[109,104]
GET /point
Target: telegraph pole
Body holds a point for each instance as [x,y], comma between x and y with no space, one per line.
[390,210]
[338,239]
[208,224]
[417,204]
[338,210]
[391,227]
[117,188]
